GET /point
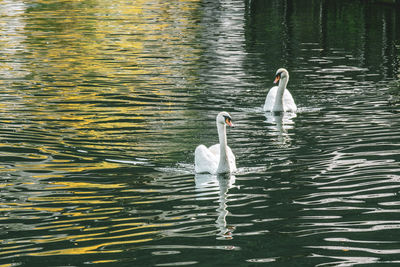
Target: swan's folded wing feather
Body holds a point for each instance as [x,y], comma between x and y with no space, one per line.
[270,99]
[215,150]
[231,158]
[205,160]
[288,102]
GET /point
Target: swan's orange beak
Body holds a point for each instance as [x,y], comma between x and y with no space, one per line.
[277,78]
[229,122]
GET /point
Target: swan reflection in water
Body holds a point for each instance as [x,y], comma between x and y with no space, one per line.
[206,186]
[279,123]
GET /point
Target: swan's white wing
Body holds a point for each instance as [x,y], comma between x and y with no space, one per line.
[204,160]
[288,102]
[215,150]
[270,99]
[232,159]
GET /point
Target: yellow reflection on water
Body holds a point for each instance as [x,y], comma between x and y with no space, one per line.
[117,237]
[98,213]
[92,76]
[78,239]
[24,206]
[103,261]
[67,166]
[99,248]
[74,200]
[76,185]
[73,54]
[48,227]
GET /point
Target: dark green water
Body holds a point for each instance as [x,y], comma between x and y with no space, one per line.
[103,103]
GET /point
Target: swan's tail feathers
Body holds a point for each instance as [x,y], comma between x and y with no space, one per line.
[204,160]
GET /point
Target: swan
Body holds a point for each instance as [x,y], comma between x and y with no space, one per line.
[279,98]
[219,157]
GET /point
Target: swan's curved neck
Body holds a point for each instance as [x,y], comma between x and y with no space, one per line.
[278,106]
[223,166]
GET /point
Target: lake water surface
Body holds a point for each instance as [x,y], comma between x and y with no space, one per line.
[103,103]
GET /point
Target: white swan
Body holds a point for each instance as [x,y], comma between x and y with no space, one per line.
[219,157]
[279,98]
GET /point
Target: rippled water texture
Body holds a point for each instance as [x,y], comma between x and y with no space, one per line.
[103,103]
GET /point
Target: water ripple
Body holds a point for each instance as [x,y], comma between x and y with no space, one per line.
[103,105]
